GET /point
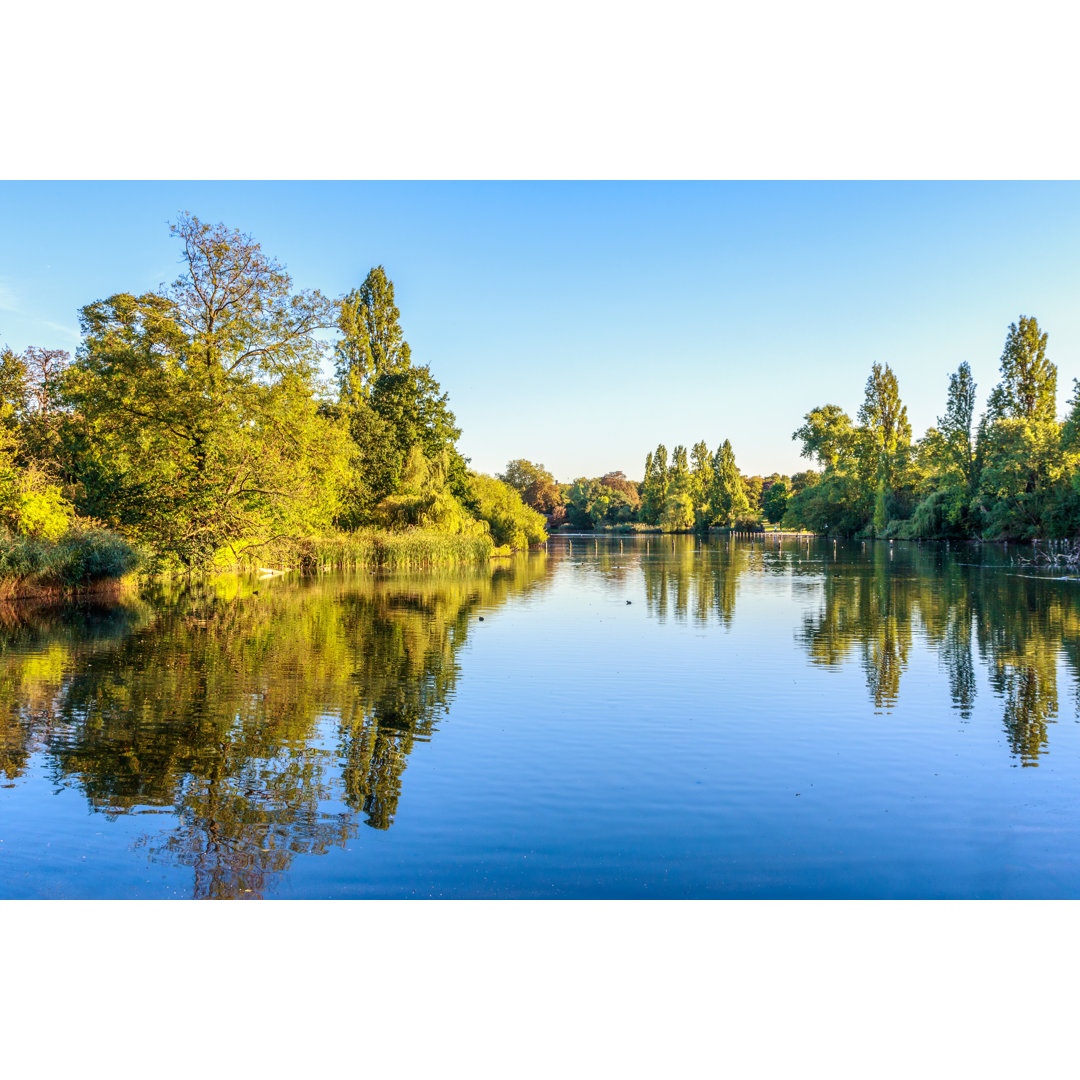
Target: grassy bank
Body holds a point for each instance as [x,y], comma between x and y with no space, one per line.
[83,559]
[100,560]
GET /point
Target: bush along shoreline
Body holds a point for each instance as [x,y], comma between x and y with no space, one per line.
[82,560]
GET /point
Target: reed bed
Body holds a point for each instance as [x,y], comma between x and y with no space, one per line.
[83,558]
[411,549]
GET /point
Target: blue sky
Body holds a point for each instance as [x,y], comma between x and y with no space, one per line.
[579,324]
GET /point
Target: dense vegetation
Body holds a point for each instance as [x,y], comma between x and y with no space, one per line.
[194,430]
[194,424]
[1013,473]
[683,493]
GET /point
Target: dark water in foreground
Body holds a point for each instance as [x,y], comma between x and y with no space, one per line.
[795,720]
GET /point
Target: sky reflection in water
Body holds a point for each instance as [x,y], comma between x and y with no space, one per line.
[778,719]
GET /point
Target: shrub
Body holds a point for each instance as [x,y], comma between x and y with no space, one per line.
[511,522]
[82,557]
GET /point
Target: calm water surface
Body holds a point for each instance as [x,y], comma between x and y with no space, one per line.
[612,718]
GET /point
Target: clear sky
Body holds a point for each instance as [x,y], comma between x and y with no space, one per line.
[579,324]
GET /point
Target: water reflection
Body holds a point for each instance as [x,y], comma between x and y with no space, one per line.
[874,602]
[251,724]
[1021,627]
[270,723]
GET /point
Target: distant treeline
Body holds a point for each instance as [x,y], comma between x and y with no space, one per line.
[680,493]
[194,425]
[1011,473]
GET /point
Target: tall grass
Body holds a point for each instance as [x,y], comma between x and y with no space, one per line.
[410,549]
[80,559]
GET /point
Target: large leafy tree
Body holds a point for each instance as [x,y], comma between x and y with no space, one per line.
[949,464]
[828,435]
[886,441]
[700,482]
[406,409]
[200,404]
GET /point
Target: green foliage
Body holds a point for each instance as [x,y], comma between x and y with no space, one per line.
[14,388]
[828,435]
[601,501]
[1027,458]
[372,343]
[511,522]
[654,486]
[29,504]
[775,500]
[727,497]
[678,512]
[834,506]
[533,483]
[884,443]
[1028,387]
[406,408]
[199,407]
[82,557]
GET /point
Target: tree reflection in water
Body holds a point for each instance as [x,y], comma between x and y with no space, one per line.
[1021,627]
[269,722]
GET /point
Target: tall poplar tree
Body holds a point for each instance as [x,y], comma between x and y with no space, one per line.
[728,497]
[654,485]
[1028,387]
[372,342]
[389,404]
[886,431]
[1023,458]
[700,481]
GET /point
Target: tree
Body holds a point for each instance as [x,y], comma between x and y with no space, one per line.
[45,370]
[533,483]
[727,499]
[200,404]
[884,441]
[389,404]
[887,433]
[955,427]
[406,408]
[1021,445]
[372,342]
[1028,387]
[828,435]
[14,388]
[501,507]
[775,501]
[654,485]
[700,482]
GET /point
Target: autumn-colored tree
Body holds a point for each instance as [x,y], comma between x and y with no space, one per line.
[533,483]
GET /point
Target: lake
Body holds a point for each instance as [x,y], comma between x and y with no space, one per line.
[638,717]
